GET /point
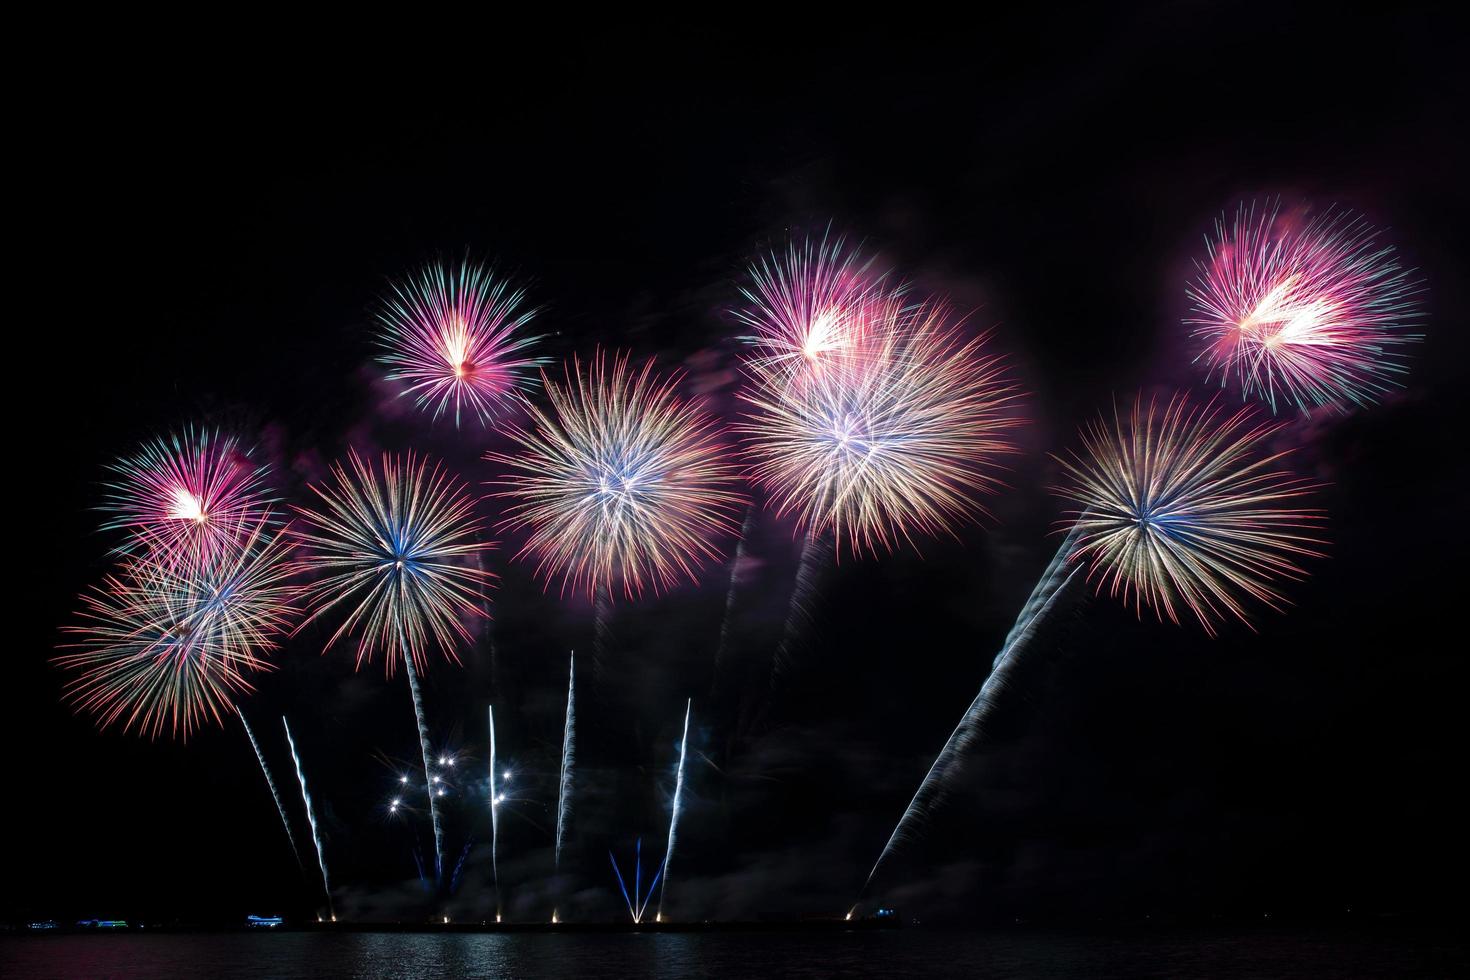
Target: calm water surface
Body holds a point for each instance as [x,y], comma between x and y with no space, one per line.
[910,952]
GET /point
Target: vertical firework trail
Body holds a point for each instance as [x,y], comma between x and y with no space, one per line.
[674,813]
[271,782]
[745,529]
[418,712]
[494,819]
[1043,598]
[568,752]
[602,610]
[316,834]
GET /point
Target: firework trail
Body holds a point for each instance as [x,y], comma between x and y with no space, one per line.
[316,834]
[568,752]
[638,902]
[164,642]
[271,782]
[494,819]
[815,551]
[187,496]
[602,634]
[1044,596]
[1310,312]
[746,527]
[456,337]
[674,813]
[621,483]
[398,548]
[895,441]
[422,723]
[1180,508]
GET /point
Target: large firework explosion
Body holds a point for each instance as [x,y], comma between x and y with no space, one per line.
[1183,507]
[457,338]
[170,642]
[898,439]
[395,545]
[622,484]
[1305,311]
[186,495]
[803,306]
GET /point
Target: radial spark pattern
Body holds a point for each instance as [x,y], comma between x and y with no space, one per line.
[166,643]
[1307,312]
[188,495]
[395,546]
[457,338]
[803,307]
[895,441]
[1182,508]
[621,483]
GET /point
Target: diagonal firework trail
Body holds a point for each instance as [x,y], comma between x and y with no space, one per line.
[814,553]
[1043,597]
[271,782]
[674,814]
[745,529]
[423,725]
[568,753]
[316,834]
[494,820]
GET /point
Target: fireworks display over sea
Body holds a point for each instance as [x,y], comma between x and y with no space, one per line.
[868,417]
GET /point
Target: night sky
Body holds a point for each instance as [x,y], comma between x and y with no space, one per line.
[206,243]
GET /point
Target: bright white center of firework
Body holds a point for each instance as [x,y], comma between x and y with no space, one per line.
[456,339]
[403,779]
[1283,316]
[441,792]
[186,506]
[505,775]
[821,336]
[442,760]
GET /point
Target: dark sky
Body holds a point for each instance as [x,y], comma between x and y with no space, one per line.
[210,235]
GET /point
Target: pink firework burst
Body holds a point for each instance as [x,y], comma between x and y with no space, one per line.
[804,307]
[187,495]
[1306,311]
[457,338]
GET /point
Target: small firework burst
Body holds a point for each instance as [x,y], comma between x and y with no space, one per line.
[187,495]
[171,643]
[897,440]
[457,338]
[1183,507]
[396,546]
[803,307]
[622,483]
[1308,312]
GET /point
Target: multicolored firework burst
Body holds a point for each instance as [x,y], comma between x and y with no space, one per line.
[187,495]
[803,306]
[1182,507]
[622,483]
[396,545]
[165,642]
[895,440]
[1311,312]
[456,336]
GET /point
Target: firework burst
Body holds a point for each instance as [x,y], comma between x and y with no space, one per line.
[1182,508]
[1309,312]
[170,643]
[396,545]
[894,441]
[621,483]
[187,495]
[457,338]
[803,307]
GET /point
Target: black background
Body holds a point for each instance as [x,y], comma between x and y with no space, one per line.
[211,232]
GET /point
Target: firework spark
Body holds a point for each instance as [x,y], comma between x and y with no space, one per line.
[456,337]
[892,443]
[804,307]
[621,484]
[189,495]
[170,643]
[1310,312]
[1181,507]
